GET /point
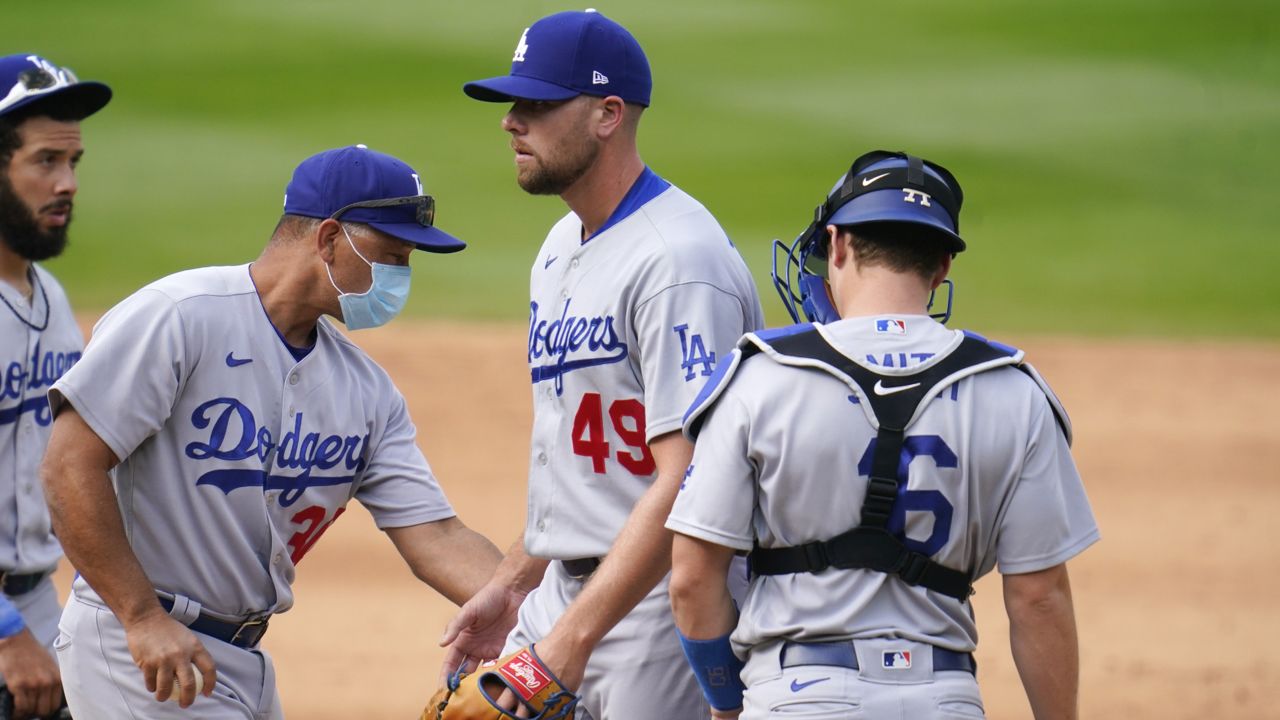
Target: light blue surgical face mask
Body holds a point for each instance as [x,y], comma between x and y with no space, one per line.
[384,299]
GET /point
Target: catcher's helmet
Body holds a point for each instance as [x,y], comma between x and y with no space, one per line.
[880,187]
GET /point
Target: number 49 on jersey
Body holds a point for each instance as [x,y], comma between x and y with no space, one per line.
[626,416]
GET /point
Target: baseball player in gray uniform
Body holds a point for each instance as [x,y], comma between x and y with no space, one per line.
[874,464]
[218,425]
[41,106]
[635,294]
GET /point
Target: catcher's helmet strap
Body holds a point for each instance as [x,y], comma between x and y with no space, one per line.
[912,177]
[870,545]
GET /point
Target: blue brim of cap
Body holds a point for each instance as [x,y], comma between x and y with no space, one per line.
[888,206]
[79,101]
[506,88]
[425,238]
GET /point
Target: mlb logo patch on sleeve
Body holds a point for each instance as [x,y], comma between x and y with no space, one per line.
[897,659]
[891,326]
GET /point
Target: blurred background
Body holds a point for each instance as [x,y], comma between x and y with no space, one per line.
[1119,157]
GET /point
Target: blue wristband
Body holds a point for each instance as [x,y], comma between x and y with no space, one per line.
[718,670]
[11,622]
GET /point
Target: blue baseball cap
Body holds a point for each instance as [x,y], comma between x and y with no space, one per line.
[899,188]
[360,185]
[26,79]
[569,54]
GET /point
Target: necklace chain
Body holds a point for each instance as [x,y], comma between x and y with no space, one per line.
[35,279]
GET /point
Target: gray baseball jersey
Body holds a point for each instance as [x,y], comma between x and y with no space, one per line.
[624,329]
[39,341]
[236,455]
[783,457]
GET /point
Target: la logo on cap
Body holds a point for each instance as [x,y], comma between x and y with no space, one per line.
[521,47]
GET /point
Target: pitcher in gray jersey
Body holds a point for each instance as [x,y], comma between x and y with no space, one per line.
[634,295]
[41,107]
[874,464]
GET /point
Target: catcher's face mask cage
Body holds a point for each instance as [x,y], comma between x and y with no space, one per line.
[880,186]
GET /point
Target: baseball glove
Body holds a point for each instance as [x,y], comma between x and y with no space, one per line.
[473,696]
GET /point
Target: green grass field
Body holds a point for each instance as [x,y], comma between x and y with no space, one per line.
[1119,157]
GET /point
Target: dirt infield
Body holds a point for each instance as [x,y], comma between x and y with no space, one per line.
[1178,444]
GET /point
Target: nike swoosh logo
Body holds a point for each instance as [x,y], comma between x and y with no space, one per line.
[550,260]
[868,181]
[797,686]
[237,362]
[880,389]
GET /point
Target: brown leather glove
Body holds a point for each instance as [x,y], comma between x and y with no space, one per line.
[474,696]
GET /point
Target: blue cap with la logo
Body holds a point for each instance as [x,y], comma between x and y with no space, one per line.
[568,54]
[356,184]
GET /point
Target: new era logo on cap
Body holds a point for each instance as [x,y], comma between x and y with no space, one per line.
[598,78]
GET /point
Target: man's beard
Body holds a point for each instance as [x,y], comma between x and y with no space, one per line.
[555,175]
[20,231]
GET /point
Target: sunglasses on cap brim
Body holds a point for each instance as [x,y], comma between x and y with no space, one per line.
[37,81]
[424,207]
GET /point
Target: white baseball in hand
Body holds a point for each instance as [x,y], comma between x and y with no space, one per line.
[177,687]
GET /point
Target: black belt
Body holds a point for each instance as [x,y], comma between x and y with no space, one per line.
[245,634]
[15,585]
[580,568]
[841,654]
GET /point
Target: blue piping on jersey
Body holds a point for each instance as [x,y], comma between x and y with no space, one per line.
[1006,349]
[292,487]
[38,405]
[775,333]
[646,187]
[297,352]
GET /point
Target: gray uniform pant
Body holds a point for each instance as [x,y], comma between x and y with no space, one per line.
[825,692]
[637,672]
[101,681]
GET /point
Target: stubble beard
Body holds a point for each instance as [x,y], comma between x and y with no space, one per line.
[20,231]
[561,168]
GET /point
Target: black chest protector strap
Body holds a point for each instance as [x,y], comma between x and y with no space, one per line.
[870,545]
